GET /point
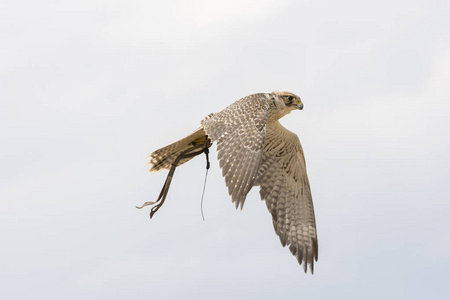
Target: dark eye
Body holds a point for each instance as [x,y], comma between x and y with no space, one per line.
[290,98]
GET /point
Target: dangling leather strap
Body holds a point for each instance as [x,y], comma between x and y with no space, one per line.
[165,189]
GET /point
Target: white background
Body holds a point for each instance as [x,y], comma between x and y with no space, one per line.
[89,88]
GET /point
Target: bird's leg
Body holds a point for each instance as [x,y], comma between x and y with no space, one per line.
[165,189]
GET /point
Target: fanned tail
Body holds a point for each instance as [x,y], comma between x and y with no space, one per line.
[172,156]
[162,159]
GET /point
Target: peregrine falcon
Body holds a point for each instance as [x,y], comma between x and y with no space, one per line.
[254,149]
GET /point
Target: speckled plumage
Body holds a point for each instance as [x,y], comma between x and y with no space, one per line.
[255,149]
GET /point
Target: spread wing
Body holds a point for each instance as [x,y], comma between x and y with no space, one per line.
[239,131]
[285,187]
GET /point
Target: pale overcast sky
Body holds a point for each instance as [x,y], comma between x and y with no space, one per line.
[89,88]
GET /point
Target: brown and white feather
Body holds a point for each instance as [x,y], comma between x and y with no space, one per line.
[239,131]
[162,159]
[285,187]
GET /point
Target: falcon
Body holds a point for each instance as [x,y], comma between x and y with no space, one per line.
[254,149]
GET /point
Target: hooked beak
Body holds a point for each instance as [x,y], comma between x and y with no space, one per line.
[299,104]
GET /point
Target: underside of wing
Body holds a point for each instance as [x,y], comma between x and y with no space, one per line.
[239,131]
[285,187]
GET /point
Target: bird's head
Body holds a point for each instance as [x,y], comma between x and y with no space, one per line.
[291,100]
[282,104]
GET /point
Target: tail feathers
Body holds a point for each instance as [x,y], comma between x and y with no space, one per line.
[163,158]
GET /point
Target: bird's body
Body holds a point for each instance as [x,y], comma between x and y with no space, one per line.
[254,149]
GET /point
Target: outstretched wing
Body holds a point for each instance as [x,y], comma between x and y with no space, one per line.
[239,131]
[285,188]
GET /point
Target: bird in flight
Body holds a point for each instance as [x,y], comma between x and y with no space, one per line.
[254,149]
